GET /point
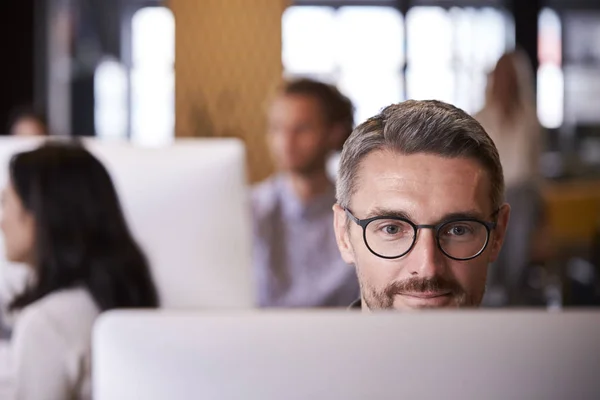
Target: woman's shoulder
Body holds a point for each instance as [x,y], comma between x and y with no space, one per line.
[50,346]
[63,300]
[69,312]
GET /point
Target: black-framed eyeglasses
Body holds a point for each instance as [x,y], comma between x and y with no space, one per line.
[460,239]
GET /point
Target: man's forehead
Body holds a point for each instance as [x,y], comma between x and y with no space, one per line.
[426,185]
[299,104]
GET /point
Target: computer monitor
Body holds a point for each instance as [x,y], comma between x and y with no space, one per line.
[347,355]
[187,206]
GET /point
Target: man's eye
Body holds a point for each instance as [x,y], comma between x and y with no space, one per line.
[391,229]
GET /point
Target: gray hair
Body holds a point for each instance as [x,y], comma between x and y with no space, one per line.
[411,127]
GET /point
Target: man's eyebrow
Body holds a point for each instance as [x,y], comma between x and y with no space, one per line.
[386,212]
[470,214]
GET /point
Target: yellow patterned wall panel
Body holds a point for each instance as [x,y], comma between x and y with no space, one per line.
[228,59]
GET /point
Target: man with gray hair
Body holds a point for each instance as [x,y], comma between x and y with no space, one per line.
[420,209]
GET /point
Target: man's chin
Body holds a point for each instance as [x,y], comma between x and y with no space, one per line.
[305,171]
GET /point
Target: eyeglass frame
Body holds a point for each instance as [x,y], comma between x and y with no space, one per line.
[489,226]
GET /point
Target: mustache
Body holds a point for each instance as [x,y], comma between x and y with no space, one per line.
[420,285]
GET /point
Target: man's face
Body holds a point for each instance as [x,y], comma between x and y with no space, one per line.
[298,134]
[427,189]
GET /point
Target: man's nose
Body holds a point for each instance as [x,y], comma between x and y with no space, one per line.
[426,259]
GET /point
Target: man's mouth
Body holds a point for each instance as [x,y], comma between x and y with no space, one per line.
[426,295]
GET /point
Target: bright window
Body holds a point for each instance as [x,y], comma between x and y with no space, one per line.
[153,76]
[110,100]
[359,48]
[139,103]
[451,51]
[550,93]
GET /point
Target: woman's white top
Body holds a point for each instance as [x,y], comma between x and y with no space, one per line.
[48,357]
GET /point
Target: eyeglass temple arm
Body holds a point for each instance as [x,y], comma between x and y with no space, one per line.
[352,217]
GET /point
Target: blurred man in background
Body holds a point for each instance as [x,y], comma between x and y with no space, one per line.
[295,255]
[26,121]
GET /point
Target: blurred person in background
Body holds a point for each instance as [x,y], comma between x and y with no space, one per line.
[420,210]
[510,118]
[295,255]
[62,218]
[26,121]
[23,121]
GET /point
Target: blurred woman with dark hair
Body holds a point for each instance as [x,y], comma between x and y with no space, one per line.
[510,118]
[61,216]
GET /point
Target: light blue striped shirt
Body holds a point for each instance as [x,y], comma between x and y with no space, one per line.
[296,258]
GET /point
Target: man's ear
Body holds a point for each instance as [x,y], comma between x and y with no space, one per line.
[342,235]
[499,234]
